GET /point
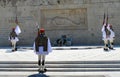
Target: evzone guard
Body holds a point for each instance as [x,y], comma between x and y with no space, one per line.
[42,47]
[107,34]
[13,36]
[14,39]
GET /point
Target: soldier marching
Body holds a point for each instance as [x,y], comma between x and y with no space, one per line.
[42,47]
[107,34]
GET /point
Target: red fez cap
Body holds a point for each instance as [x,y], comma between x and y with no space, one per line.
[110,26]
[13,28]
[42,30]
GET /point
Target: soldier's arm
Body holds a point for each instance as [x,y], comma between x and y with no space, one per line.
[36,44]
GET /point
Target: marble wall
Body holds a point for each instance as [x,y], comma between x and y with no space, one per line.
[80,19]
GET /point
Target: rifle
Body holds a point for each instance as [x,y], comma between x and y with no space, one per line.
[104,19]
[37,27]
[16,20]
[107,19]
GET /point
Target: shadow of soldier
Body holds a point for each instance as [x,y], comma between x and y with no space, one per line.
[38,75]
[43,75]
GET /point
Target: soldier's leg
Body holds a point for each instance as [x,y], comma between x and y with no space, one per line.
[43,63]
[106,45]
[16,46]
[111,44]
[39,63]
[39,60]
[12,43]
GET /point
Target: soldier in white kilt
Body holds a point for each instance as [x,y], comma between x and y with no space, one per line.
[108,36]
[42,47]
[13,38]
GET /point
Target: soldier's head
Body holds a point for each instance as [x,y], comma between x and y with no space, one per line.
[42,31]
[13,29]
[111,27]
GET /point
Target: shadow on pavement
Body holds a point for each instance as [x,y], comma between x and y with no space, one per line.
[9,51]
[43,75]
[38,75]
